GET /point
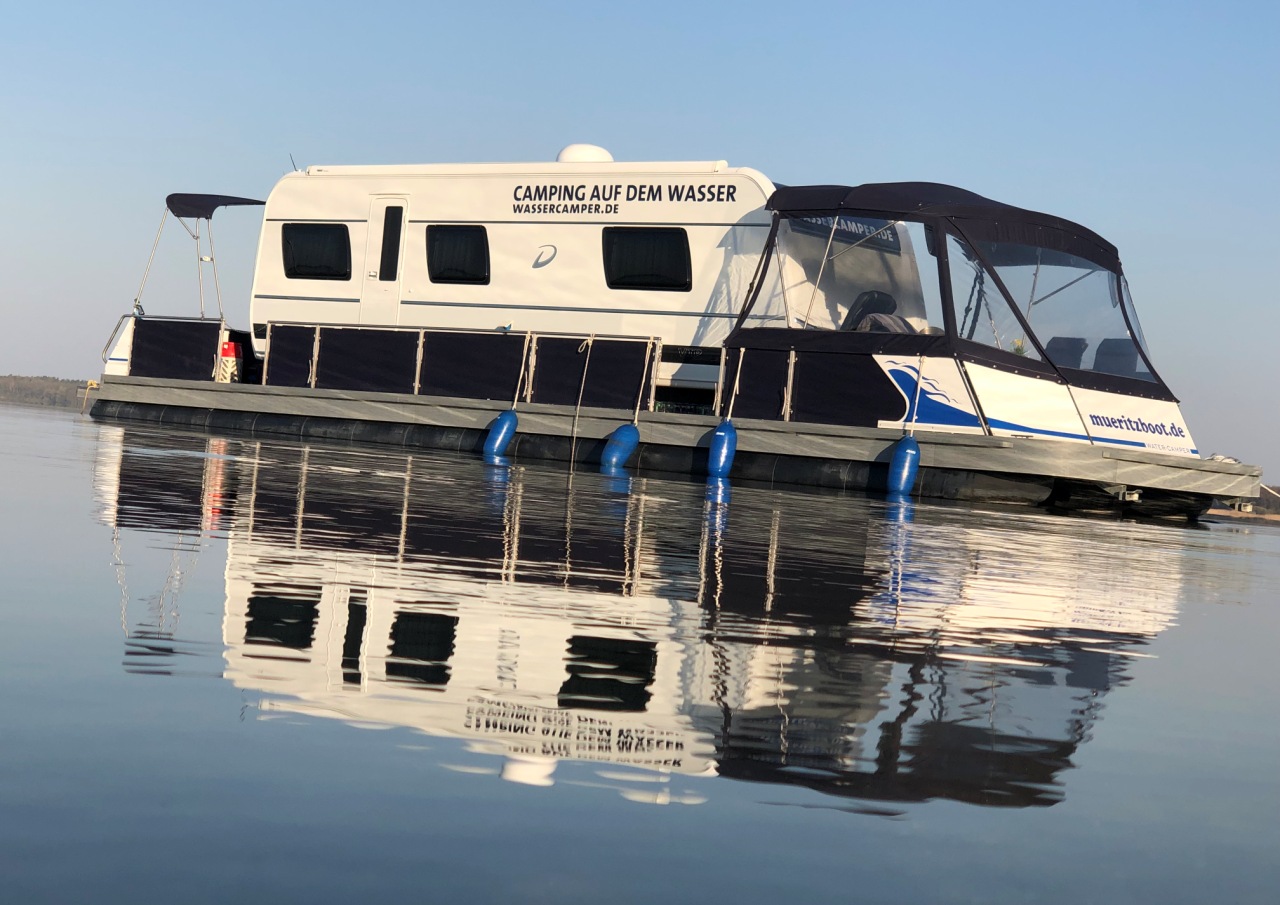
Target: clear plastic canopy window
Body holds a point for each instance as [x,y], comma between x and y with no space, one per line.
[850,273]
[1072,305]
[863,273]
[982,314]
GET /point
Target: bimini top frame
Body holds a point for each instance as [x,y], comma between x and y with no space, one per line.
[187,206]
[1038,255]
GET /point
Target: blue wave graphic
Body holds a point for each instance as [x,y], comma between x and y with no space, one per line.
[933,405]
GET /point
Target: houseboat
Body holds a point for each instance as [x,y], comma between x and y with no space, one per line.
[690,317]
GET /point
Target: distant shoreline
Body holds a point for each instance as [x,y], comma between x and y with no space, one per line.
[1257,517]
[45,392]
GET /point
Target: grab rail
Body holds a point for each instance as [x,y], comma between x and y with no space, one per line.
[106,350]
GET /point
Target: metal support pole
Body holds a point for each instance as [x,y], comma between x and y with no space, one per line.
[213,259]
[199,268]
[137,299]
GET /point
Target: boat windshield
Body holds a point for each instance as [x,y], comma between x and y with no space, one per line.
[1132,314]
[1073,306]
[852,273]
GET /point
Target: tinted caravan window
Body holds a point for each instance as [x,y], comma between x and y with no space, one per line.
[316,251]
[458,254]
[390,263]
[647,258]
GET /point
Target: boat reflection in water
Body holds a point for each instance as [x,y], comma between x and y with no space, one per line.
[846,644]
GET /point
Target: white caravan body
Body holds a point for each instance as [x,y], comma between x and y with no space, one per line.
[544,225]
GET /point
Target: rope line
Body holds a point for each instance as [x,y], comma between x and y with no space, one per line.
[582,388]
[644,380]
[524,359]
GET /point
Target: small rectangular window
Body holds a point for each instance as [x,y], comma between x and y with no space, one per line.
[458,254]
[389,267]
[316,251]
[647,258]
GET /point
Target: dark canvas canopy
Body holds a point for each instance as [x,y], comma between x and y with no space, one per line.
[201,207]
[979,218]
[997,240]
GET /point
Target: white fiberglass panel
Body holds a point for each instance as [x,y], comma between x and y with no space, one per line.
[1016,405]
[1136,423]
[122,351]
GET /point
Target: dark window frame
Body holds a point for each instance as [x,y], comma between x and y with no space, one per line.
[436,269]
[610,237]
[339,269]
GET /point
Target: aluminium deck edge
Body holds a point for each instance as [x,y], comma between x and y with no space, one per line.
[1031,458]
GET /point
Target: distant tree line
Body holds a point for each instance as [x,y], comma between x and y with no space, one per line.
[52,391]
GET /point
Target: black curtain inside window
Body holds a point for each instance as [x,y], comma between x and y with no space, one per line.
[458,254]
[316,251]
[640,258]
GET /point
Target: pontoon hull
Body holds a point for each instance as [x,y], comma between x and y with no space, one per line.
[1056,474]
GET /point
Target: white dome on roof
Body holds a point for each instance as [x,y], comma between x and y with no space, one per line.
[579,153]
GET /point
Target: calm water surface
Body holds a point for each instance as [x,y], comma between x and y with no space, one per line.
[241,670]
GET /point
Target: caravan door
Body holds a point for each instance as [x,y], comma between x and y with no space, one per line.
[380,297]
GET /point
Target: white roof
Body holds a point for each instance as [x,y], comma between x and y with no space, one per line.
[545,167]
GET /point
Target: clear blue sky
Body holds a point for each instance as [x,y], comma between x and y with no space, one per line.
[1157,125]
